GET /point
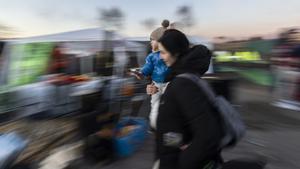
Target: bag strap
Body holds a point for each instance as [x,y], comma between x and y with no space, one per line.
[201,84]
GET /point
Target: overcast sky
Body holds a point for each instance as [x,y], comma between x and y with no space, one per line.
[213,18]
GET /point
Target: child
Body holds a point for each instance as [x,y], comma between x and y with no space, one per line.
[156,68]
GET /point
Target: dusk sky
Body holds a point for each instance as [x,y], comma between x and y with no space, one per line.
[236,18]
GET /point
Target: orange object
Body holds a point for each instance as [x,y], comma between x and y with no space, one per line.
[126,130]
[105,133]
[127,90]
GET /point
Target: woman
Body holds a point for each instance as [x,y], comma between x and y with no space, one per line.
[187,132]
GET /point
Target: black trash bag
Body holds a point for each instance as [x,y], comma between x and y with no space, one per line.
[99,149]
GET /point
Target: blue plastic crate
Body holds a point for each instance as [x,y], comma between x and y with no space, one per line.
[127,145]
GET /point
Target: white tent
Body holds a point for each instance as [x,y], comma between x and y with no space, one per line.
[84,38]
[92,34]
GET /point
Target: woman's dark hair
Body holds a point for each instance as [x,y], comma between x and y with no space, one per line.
[175,42]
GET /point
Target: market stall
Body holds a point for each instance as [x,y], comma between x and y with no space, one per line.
[67,76]
[53,66]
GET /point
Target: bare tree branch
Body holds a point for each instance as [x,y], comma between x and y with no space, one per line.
[149,23]
[186,16]
[111,18]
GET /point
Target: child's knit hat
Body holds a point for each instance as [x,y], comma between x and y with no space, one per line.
[157,33]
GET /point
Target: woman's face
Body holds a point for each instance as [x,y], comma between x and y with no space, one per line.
[166,55]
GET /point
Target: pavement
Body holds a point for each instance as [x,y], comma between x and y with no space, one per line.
[273,134]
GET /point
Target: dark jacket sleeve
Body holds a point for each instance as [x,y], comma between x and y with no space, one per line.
[201,123]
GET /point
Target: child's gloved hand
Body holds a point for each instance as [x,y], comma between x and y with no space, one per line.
[137,74]
[151,89]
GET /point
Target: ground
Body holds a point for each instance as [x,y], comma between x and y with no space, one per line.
[273,134]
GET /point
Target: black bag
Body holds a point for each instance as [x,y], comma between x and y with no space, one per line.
[232,124]
[99,149]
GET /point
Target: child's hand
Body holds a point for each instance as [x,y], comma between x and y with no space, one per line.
[138,75]
[151,89]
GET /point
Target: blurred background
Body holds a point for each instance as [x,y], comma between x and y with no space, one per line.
[67,99]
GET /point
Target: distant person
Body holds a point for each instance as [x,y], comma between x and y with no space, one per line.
[157,70]
[286,59]
[58,61]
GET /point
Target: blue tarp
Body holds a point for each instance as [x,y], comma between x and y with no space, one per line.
[11,146]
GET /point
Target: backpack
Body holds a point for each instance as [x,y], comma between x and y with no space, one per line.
[231,122]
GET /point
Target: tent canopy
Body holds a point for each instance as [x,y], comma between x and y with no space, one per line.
[86,38]
[91,34]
